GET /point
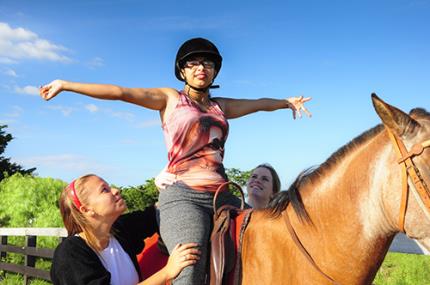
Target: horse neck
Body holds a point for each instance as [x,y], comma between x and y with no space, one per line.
[350,208]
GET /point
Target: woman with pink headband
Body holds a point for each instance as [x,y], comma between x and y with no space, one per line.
[102,242]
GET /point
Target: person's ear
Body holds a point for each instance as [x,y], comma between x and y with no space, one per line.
[182,73]
[87,211]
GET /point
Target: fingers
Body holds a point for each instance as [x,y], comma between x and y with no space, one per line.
[188,253]
[191,257]
[297,105]
[44,91]
[187,245]
[309,114]
[182,255]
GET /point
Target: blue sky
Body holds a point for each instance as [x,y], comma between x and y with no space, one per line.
[337,52]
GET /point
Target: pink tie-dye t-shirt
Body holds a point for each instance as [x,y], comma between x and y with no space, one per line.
[195,142]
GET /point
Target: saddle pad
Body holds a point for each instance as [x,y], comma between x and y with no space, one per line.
[151,260]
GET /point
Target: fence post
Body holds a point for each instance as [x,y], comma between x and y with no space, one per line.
[30,241]
[3,254]
[3,241]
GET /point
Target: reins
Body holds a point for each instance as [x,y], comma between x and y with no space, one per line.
[303,249]
[409,168]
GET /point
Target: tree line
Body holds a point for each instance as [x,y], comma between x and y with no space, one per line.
[32,201]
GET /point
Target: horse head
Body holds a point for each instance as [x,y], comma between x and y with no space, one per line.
[410,137]
[336,222]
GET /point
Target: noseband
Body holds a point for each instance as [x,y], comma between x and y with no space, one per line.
[409,168]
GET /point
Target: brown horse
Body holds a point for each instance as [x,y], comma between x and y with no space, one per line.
[346,212]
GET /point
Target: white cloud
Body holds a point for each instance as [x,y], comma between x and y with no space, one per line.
[96,63]
[10,72]
[69,162]
[92,108]
[29,90]
[19,43]
[66,111]
[6,60]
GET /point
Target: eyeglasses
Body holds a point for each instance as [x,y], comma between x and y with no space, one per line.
[195,63]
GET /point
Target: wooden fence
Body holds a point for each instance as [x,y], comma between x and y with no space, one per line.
[30,250]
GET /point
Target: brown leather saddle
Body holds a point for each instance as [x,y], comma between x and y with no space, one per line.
[225,238]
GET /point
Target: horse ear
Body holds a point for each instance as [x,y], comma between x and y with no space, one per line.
[396,120]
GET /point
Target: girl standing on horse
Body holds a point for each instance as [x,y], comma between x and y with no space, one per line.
[195,129]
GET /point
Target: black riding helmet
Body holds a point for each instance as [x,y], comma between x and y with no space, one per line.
[197,47]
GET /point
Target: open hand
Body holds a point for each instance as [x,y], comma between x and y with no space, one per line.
[183,255]
[51,90]
[297,104]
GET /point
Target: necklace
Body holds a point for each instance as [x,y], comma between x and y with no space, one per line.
[204,103]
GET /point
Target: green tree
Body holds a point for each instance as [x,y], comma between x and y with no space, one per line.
[140,197]
[238,176]
[8,168]
[29,201]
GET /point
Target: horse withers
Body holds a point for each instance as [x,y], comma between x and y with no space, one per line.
[344,214]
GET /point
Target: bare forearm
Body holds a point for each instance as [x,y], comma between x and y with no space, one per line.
[235,108]
[99,91]
[270,104]
[151,98]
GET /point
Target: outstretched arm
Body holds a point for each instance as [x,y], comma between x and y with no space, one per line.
[151,98]
[235,108]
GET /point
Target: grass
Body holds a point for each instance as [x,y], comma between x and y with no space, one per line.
[404,269]
[397,269]
[16,279]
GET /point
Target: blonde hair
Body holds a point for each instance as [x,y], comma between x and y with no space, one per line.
[73,219]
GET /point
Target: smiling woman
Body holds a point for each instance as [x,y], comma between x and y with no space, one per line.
[263,183]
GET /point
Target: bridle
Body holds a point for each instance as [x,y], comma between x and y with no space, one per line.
[409,168]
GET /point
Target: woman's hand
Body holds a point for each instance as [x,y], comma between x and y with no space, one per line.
[183,255]
[297,104]
[51,90]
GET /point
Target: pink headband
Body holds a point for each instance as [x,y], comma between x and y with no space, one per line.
[74,196]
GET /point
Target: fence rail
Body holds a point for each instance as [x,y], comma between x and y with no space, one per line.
[30,250]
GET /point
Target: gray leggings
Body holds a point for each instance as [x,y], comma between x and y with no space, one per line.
[186,216]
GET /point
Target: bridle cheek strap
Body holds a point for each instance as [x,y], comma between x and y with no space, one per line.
[409,168]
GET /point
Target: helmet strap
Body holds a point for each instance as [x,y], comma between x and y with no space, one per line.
[204,89]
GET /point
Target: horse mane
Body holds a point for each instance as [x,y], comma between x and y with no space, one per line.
[281,200]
